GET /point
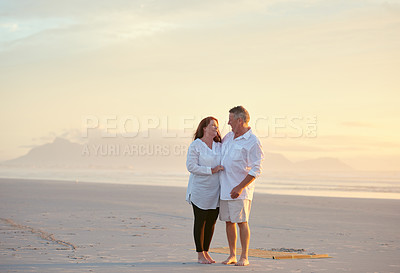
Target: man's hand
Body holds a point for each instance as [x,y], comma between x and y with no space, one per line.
[236,191]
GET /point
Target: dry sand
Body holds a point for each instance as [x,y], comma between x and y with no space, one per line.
[49,226]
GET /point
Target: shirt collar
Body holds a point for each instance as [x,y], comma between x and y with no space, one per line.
[245,135]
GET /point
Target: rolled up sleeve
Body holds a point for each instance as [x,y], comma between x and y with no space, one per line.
[256,157]
[192,163]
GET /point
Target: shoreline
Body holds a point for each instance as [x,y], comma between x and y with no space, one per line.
[177,186]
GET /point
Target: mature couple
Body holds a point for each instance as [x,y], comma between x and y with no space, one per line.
[221,176]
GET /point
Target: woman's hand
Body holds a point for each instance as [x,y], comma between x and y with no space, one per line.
[217,169]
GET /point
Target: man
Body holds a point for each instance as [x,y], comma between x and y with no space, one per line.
[241,157]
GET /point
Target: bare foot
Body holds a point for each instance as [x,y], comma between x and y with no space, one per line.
[201,259]
[208,257]
[230,260]
[242,262]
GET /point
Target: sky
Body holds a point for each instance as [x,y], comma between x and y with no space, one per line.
[319,78]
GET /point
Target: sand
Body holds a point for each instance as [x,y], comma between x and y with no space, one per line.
[47,226]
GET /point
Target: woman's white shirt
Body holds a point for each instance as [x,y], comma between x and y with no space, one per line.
[203,187]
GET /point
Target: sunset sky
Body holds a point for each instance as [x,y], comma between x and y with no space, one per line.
[339,61]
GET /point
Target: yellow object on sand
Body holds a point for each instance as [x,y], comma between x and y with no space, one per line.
[271,254]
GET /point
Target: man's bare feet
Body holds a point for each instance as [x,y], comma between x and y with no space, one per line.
[242,262]
[230,260]
[201,259]
[208,257]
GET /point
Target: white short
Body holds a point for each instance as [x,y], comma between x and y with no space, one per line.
[235,211]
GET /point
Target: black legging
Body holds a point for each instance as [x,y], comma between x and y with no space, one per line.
[204,223]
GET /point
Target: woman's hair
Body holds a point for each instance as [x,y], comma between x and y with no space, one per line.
[200,129]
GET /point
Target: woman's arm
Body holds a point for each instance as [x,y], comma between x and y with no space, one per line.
[192,163]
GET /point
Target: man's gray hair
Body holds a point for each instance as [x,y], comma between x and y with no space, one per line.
[240,112]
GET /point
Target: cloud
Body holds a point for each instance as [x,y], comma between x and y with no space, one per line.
[354,142]
[11,27]
[94,24]
[24,29]
[358,124]
[72,34]
[27,146]
[332,145]
[79,8]
[74,135]
[290,146]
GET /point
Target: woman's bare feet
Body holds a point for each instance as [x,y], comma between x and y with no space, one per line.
[242,262]
[208,257]
[201,259]
[230,260]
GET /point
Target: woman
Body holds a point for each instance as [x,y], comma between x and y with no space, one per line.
[203,159]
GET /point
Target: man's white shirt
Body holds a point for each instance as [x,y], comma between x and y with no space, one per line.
[240,156]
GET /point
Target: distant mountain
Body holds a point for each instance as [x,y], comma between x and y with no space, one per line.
[277,162]
[106,153]
[323,164]
[144,155]
[61,152]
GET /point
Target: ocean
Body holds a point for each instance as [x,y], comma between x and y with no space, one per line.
[381,185]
